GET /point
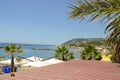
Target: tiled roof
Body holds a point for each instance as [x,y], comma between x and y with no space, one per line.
[71,70]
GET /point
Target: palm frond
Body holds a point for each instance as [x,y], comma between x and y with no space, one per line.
[106,10]
[7,49]
[95,9]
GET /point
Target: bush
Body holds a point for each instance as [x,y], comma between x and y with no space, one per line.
[112,58]
[2,58]
[18,59]
[63,53]
[90,53]
[98,58]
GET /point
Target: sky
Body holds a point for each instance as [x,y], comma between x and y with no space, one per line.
[43,22]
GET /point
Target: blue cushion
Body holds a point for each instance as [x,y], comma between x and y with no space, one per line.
[7,69]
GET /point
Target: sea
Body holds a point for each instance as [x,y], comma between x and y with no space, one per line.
[29,51]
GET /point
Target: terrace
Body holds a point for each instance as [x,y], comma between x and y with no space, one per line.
[71,70]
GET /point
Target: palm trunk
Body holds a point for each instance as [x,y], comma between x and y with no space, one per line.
[12,63]
[63,58]
[117,56]
[12,66]
[117,53]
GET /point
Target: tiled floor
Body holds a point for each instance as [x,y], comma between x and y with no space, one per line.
[71,70]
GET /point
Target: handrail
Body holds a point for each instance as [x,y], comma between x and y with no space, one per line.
[26,58]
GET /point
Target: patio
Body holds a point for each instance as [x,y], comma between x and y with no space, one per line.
[71,70]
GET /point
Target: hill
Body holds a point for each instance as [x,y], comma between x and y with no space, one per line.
[84,41]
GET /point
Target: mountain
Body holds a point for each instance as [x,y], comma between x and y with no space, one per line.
[84,41]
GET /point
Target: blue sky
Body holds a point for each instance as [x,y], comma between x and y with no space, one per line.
[43,22]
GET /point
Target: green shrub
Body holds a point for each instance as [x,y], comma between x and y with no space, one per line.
[112,58]
[63,53]
[98,57]
[2,58]
[90,53]
[18,59]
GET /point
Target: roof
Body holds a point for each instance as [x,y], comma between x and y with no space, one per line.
[71,70]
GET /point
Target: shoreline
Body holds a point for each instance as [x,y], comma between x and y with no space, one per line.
[42,49]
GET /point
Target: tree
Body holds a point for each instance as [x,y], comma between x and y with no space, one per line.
[106,10]
[11,50]
[2,58]
[90,53]
[62,53]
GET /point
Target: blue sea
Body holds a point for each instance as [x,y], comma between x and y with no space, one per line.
[28,51]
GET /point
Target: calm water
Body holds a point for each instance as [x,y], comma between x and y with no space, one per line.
[30,52]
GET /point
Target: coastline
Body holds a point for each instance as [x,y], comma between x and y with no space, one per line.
[43,49]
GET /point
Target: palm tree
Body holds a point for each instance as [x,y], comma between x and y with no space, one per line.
[11,50]
[90,53]
[62,53]
[106,10]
